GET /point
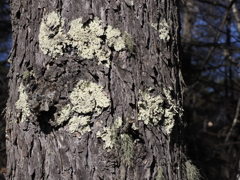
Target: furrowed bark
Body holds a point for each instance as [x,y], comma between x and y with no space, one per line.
[133,101]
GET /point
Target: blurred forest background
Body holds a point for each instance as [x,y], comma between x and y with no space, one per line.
[5,46]
[211,70]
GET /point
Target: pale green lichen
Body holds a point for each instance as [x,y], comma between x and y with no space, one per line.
[79,124]
[128,149]
[171,111]
[22,103]
[118,122]
[87,97]
[109,134]
[169,120]
[192,171]
[129,2]
[114,38]
[163,31]
[155,26]
[52,39]
[129,42]
[160,175]
[151,110]
[64,114]
[27,74]
[87,39]
[134,127]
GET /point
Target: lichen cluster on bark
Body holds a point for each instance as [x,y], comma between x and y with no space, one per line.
[95,91]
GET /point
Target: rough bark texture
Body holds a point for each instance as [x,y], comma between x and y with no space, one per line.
[40,148]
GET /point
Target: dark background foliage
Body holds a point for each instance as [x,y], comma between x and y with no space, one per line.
[5,45]
[210,67]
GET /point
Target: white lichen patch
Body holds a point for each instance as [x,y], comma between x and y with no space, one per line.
[22,103]
[64,114]
[109,134]
[129,2]
[170,112]
[134,127]
[155,26]
[169,120]
[192,171]
[87,39]
[114,38]
[160,175]
[79,124]
[87,97]
[163,31]
[52,39]
[151,110]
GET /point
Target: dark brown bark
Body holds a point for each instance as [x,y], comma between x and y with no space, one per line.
[40,148]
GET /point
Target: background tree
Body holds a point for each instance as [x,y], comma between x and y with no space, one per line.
[5,45]
[211,49]
[95,91]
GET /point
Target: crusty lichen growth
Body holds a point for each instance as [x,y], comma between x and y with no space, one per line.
[128,149]
[192,171]
[134,127]
[87,39]
[170,112]
[109,134]
[160,175]
[79,124]
[114,38]
[26,74]
[89,42]
[22,103]
[129,42]
[64,114]
[163,31]
[151,110]
[129,2]
[86,98]
[52,39]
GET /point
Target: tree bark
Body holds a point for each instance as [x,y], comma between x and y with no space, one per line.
[95,91]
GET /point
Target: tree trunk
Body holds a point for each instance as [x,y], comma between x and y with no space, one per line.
[95,91]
